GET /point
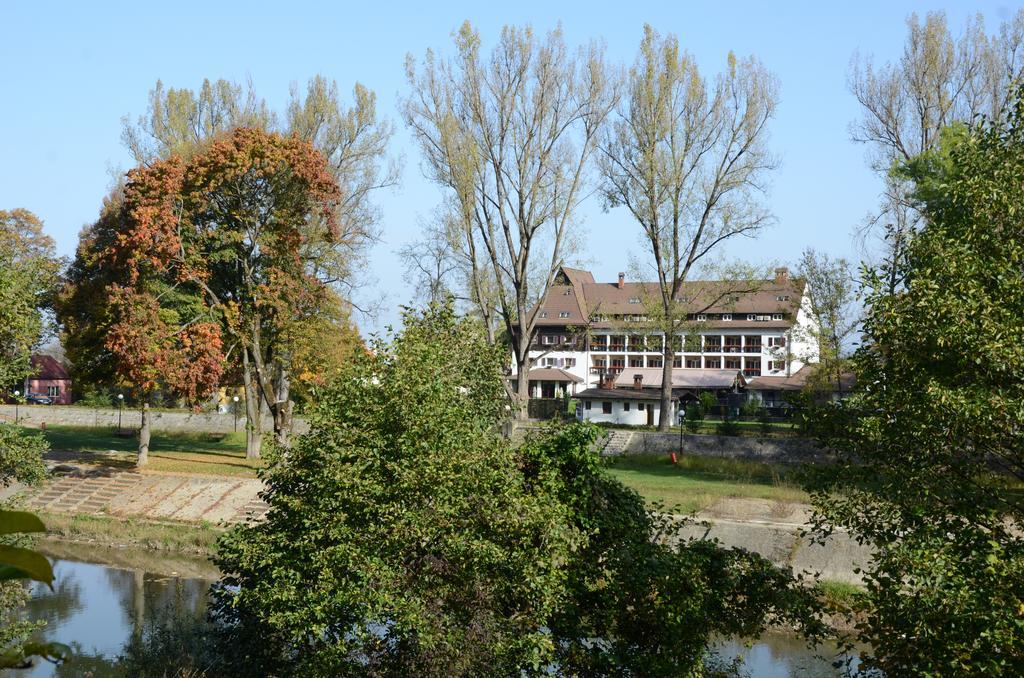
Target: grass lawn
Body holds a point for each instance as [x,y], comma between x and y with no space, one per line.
[697,482]
[169,452]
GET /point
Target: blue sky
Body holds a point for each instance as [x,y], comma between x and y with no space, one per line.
[70,71]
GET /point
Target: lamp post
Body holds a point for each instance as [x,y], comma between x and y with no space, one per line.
[236,413]
[17,398]
[120,404]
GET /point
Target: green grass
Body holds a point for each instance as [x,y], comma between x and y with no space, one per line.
[195,538]
[695,483]
[176,452]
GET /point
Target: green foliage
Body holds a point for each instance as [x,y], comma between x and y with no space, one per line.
[693,418]
[28,274]
[729,426]
[21,456]
[931,442]
[406,536]
[173,644]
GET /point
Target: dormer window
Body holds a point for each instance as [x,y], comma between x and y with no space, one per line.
[567,292]
[701,317]
[782,297]
[751,317]
[634,300]
[727,316]
[563,314]
[543,314]
[776,316]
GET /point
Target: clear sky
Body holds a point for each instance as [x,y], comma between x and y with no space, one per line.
[70,71]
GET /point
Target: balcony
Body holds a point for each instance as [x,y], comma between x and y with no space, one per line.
[752,348]
[712,348]
[732,348]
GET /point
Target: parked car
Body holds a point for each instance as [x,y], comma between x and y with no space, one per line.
[38,399]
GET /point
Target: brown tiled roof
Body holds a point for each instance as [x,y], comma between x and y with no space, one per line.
[681,377]
[794,382]
[620,394]
[48,367]
[553,374]
[586,299]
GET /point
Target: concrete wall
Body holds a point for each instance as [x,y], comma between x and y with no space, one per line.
[34,415]
[734,447]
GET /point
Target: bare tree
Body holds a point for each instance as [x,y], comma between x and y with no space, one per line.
[509,136]
[831,289]
[937,81]
[688,160]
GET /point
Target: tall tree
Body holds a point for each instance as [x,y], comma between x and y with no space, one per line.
[938,80]
[353,139]
[509,137]
[930,447]
[831,289]
[688,159]
[29,273]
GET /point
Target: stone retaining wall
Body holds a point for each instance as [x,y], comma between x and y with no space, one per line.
[785,450]
[206,422]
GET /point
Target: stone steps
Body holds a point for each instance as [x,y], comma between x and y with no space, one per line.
[616,443]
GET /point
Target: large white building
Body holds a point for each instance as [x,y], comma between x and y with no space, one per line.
[589,333]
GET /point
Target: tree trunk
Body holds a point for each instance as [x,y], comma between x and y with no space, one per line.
[144,433]
[282,402]
[138,602]
[522,410]
[253,418]
[665,420]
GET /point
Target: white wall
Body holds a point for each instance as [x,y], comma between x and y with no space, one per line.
[634,417]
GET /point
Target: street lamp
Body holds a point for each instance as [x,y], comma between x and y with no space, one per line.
[236,413]
[17,398]
[120,404]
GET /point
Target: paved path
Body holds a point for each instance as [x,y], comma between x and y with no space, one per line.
[153,496]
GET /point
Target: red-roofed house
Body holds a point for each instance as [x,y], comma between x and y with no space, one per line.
[49,378]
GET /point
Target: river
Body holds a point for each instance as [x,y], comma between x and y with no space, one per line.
[99,594]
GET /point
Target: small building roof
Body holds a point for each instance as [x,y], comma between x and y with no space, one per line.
[682,377]
[796,381]
[47,367]
[553,374]
[620,394]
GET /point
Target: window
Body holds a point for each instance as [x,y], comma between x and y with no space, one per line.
[606,407]
[776,316]
[586,404]
[713,363]
[634,300]
[777,365]
[693,363]
[625,407]
[727,316]
[53,391]
[547,339]
[677,361]
[654,361]
[567,293]
[732,363]
[570,362]
[751,317]
[782,297]
[640,406]
[636,361]
[563,314]
[543,314]
[701,317]
[618,363]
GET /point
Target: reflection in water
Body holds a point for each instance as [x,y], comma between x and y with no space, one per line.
[97,608]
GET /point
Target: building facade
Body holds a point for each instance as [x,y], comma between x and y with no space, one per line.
[595,330]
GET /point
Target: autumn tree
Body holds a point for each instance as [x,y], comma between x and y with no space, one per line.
[509,135]
[938,80]
[688,159]
[353,139]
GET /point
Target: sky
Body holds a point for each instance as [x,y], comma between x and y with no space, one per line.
[69,73]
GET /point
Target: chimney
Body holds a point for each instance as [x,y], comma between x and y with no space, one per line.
[622,280]
[781,275]
[638,382]
[607,380]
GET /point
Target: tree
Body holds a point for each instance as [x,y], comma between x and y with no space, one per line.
[937,81]
[830,287]
[509,137]
[688,162]
[930,445]
[353,140]
[407,536]
[29,270]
